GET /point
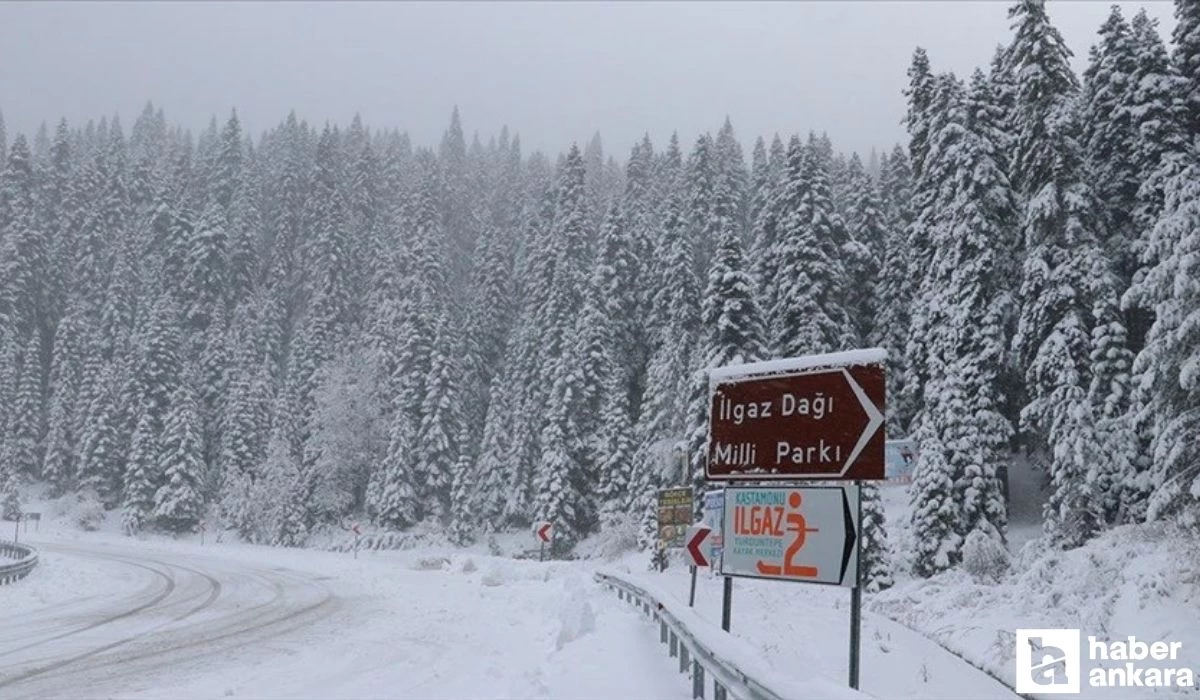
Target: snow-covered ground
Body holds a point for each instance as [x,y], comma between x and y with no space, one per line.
[1142,581]
[155,619]
[111,616]
[803,631]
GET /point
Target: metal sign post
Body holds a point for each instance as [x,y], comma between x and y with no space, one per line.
[727,603]
[544,531]
[856,604]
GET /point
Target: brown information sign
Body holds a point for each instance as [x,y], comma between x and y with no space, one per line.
[675,515]
[809,418]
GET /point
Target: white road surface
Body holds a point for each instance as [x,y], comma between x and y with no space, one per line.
[106,616]
[165,620]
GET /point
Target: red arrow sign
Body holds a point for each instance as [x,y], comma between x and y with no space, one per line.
[696,535]
[818,417]
[543,531]
[354,527]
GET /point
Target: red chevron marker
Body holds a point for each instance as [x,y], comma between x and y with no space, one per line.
[696,535]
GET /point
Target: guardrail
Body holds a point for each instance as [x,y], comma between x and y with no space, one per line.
[699,652]
[26,558]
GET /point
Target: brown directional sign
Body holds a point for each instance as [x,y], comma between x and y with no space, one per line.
[820,422]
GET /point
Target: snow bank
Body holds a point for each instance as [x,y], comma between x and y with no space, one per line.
[1141,580]
[577,617]
[736,653]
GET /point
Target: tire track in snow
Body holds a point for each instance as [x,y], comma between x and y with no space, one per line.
[214,592]
[145,604]
[147,652]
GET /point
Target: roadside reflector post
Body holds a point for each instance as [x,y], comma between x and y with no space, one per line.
[856,603]
[727,603]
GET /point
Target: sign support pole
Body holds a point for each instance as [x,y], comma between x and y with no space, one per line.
[727,603]
[17,530]
[692,594]
[856,599]
[542,552]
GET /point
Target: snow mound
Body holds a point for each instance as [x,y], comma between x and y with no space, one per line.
[577,617]
[1140,580]
[611,543]
[468,566]
[430,564]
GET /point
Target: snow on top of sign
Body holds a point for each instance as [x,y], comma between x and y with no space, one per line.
[790,364]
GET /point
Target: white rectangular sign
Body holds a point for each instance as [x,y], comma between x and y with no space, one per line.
[797,533]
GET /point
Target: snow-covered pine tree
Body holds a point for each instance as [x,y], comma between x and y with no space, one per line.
[101,457]
[1168,481]
[392,498]
[1109,135]
[863,252]
[810,315]
[160,366]
[968,308]
[877,554]
[935,516]
[142,475]
[204,288]
[1066,276]
[59,464]
[732,334]
[928,96]
[1186,37]
[23,443]
[284,485]
[179,501]
[437,449]
[561,482]
[23,246]
[1161,141]
[463,520]
[895,287]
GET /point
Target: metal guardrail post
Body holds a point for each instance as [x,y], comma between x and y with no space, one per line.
[26,559]
[728,680]
[719,691]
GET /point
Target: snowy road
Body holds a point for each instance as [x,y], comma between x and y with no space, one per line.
[119,618]
[106,616]
[180,612]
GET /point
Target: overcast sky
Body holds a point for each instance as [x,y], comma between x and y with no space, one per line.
[553,72]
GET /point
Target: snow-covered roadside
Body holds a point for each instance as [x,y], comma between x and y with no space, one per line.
[802,632]
[428,623]
[1134,580]
[58,581]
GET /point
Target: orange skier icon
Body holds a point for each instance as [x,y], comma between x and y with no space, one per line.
[798,525]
